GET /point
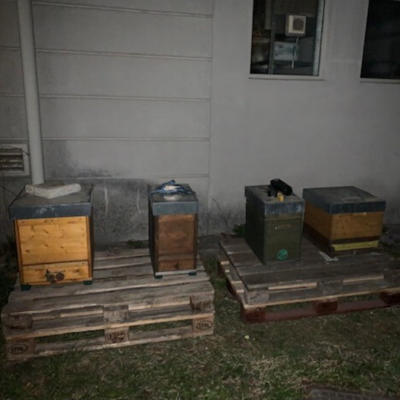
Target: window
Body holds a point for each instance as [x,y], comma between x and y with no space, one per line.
[381,57]
[286,37]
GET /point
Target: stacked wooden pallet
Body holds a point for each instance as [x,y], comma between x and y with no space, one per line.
[316,279]
[123,303]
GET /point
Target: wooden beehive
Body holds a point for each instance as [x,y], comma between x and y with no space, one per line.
[273,228]
[343,218]
[173,222]
[53,238]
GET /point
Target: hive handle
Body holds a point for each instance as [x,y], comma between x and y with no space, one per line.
[54,277]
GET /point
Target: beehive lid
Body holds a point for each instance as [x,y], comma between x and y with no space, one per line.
[343,200]
[28,206]
[179,203]
[271,205]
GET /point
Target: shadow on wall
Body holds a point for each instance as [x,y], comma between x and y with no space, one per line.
[120,209]
[223,217]
[9,189]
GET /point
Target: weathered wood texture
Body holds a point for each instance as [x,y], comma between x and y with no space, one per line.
[313,279]
[124,297]
[344,226]
[341,246]
[335,233]
[173,242]
[54,250]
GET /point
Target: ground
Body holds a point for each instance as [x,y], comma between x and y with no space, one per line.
[355,352]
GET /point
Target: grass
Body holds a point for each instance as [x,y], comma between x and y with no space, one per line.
[357,351]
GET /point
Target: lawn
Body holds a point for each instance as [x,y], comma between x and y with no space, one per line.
[359,351]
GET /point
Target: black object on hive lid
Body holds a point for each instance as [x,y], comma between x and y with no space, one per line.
[273,227]
[281,186]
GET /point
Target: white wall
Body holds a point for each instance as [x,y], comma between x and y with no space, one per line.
[332,131]
[140,91]
[124,91]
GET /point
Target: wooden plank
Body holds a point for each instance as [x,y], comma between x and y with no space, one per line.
[134,282]
[57,273]
[135,338]
[358,225]
[120,262]
[318,220]
[310,294]
[176,234]
[240,247]
[91,323]
[138,299]
[310,257]
[112,305]
[117,252]
[297,313]
[118,272]
[324,293]
[89,257]
[290,266]
[175,263]
[300,278]
[44,222]
[355,245]
[241,260]
[53,240]
[19,255]
[343,226]
[203,324]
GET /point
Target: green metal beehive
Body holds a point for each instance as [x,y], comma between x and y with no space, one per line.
[273,228]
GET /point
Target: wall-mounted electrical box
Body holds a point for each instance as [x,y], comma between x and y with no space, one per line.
[295,25]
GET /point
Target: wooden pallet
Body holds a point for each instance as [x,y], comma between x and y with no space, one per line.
[124,297]
[315,280]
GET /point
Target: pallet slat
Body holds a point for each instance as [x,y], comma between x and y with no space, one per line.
[136,338]
[104,286]
[115,306]
[257,286]
[82,324]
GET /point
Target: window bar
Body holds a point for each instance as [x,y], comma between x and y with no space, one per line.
[272,40]
[318,37]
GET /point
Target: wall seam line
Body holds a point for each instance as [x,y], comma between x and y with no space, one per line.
[123,9]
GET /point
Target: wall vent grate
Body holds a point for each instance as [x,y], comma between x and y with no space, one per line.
[14,160]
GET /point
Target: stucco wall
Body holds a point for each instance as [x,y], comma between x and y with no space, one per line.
[332,131]
[139,91]
[124,91]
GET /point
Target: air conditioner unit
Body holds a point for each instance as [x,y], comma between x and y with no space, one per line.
[295,25]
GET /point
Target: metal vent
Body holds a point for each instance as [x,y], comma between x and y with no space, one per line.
[14,160]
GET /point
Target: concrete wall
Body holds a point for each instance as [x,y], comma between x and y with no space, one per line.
[140,91]
[332,131]
[125,99]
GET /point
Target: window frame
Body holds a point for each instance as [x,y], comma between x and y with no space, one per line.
[373,80]
[323,51]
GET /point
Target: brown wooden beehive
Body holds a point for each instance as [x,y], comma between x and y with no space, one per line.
[173,226]
[343,218]
[53,238]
